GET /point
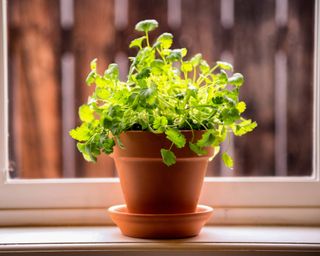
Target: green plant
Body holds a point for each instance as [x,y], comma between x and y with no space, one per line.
[164,93]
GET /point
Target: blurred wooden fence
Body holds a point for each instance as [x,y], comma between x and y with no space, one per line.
[51,43]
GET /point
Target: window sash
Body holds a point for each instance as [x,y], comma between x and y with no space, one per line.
[99,193]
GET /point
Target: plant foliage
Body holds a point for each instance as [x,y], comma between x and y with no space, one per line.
[165,92]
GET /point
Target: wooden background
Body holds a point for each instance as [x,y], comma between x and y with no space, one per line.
[51,43]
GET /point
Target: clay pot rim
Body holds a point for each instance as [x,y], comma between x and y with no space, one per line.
[201,209]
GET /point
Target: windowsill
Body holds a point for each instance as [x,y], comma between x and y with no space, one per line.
[108,238]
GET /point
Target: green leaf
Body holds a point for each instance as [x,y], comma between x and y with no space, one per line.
[82,148]
[204,67]
[137,42]
[244,127]
[107,121]
[144,73]
[186,66]
[225,65]
[222,78]
[89,151]
[192,91]
[81,133]
[93,64]
[218,100]
[112,72]
[176,137]
[241,106]
[230,115]
[107,145]
[237,79]
[197,149]
[160,123]
[228,161]
[176,54]
[168,157]
[102,93]
[148,92]
[86,113]
[91,77]
[207,138]
[165,40]
[146,25]
[157,67]
[196,59]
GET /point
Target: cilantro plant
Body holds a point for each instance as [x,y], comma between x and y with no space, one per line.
[164,93]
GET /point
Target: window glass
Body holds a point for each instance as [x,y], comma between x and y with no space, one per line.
[52,42]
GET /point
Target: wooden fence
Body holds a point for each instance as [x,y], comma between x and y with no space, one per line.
[51,43]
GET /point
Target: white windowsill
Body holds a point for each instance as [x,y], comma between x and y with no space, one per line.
[97,239]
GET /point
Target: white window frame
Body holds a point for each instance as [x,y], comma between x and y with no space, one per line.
[246,200]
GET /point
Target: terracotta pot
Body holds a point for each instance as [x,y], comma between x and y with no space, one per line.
[148,185]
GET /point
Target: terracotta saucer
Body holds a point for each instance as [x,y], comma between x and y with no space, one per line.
[163,226]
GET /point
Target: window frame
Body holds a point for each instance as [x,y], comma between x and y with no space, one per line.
[238,200]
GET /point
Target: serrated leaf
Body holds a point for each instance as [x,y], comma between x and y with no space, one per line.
[244,127]
[89,151]
[160,123]
[176,137]
[81,133]
[225,65]
[230,115]
[107,145]
[236,79]
[207,139]
[146,25]
[165,40]
[228,161]
[86,113]
[186,66]
[82,148]
[137,42]
[241,106]
[102,93]
[197,149]
[168,157]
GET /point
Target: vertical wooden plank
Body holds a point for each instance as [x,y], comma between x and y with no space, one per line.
[299,46]
[201,28]
[35,91]
[141,10]
[254,50]
[201,32]
[94,37]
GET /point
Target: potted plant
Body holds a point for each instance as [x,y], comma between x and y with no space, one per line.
[163,124]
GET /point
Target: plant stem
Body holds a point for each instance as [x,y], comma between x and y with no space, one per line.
[147,39]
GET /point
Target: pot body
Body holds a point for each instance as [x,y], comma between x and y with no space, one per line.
[148,185]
